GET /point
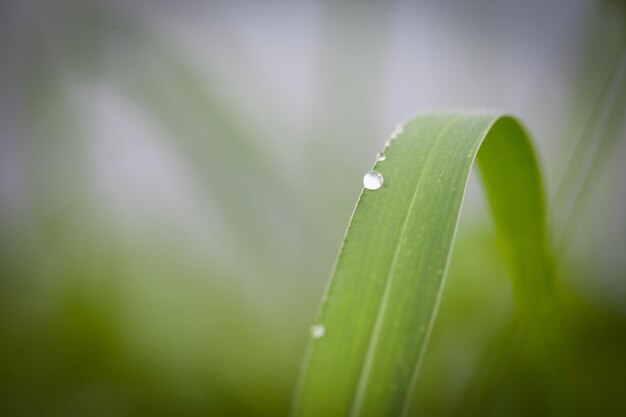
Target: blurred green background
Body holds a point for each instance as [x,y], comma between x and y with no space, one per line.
[176,178]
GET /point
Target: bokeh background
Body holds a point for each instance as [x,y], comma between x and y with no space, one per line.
[176,178]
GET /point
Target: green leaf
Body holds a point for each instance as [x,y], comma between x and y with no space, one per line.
[381,302]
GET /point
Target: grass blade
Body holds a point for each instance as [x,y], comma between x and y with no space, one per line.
[382,299]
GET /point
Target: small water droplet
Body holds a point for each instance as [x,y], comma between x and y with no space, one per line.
[380,157]
[397,131]
[373,180]
[317,331]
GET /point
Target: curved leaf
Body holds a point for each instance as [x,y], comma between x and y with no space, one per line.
[382,299]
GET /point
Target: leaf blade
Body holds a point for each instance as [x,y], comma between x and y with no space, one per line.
[382,298]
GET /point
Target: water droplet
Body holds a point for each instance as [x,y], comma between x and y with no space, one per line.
[373,180]
[380,157]
[317,331]
[397,131]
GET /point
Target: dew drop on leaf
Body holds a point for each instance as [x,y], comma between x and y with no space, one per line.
[373,180]
[380,157]
[317,331]
[397,131]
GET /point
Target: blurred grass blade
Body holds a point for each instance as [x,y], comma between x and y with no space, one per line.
[381,302]
[598,135]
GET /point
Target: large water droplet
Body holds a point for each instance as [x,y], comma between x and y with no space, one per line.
[380,157]
[317,331]
[373,180]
